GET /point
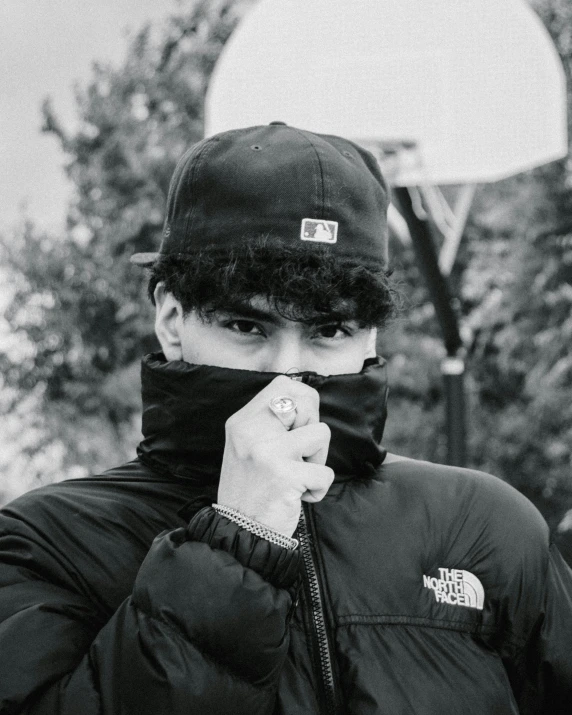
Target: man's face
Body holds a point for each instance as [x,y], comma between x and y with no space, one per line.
[256,337]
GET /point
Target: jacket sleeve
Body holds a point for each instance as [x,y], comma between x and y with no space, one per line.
[205,629]
[547,655]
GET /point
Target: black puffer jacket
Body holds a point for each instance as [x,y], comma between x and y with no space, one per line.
[424,589]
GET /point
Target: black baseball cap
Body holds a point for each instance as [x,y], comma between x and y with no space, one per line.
[280,182]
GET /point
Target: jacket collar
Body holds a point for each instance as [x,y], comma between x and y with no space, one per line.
[185,408]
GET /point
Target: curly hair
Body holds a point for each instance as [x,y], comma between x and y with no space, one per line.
[299,281]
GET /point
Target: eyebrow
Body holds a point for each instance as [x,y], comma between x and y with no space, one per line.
[246,310]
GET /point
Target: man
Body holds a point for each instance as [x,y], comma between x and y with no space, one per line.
[263,554]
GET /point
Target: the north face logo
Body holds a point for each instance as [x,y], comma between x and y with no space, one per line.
[319,230]
[457,588]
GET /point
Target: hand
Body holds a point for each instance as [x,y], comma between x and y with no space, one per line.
[267,470]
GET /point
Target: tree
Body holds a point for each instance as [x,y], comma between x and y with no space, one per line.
[78,305]
[514,283]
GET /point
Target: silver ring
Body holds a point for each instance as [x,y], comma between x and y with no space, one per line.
[284,408]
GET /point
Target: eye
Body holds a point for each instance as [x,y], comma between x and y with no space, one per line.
[244,327]
[332,331]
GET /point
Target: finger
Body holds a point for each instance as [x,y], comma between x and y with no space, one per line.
[306,398]
[309,443]
[314,495]
[285,408]
[317,481]
[258,418]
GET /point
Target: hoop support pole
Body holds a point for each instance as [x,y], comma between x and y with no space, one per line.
[452,367]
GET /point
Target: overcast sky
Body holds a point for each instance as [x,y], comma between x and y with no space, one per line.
[45,46]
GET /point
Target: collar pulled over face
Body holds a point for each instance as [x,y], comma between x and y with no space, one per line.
[185,408]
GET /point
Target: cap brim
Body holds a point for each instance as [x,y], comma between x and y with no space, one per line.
[144,259]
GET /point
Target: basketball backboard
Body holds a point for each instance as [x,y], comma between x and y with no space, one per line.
[475,85]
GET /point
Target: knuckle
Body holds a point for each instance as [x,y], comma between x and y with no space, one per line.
[235,425]
[314,399]
[307,397]
[282,382]
[325,429]
[238,435]
[307,390]
[231,422]
[314,394]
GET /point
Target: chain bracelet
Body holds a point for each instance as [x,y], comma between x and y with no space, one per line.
[256,528]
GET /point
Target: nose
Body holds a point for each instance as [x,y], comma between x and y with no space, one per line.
[288,354]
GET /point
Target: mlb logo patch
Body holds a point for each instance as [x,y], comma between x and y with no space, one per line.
[319,230]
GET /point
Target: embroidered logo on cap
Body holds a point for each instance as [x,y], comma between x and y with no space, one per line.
[457,588]
[319,230]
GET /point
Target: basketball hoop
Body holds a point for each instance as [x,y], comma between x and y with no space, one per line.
[401,163]
[433,89]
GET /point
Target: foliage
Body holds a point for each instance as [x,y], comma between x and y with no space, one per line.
[514,281]
[521,361]
[78,306]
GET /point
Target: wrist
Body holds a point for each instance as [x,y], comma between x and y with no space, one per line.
[255,527]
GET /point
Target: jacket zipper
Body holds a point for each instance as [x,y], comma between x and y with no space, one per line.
[318,618]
